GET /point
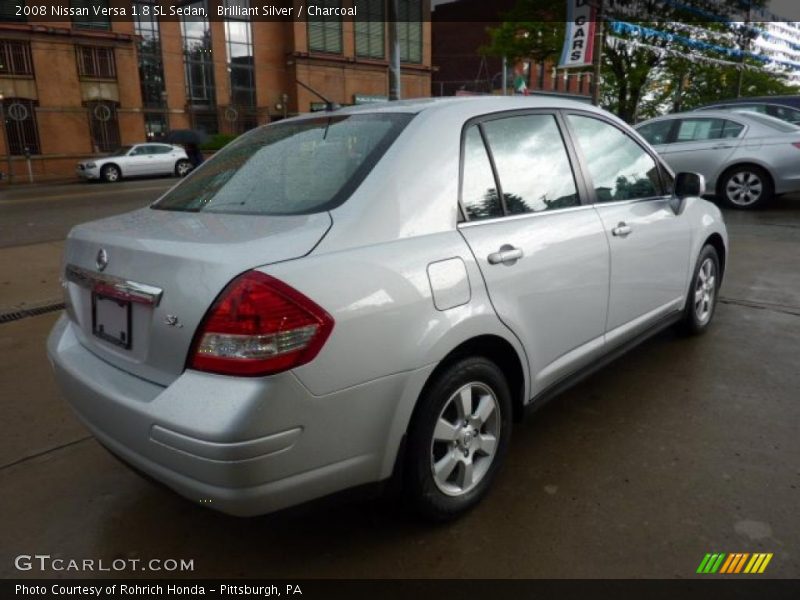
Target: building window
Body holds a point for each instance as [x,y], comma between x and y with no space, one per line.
[410,30]
[8,11]
[151,64]
[15,58]
[239,46]
[96,62]
[23,134]
[156,126]
[92,16]
[325,33]
[103,125]
[370,32]
[199,64]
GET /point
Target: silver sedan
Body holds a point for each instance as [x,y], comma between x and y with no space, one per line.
[746,158]
[377,292]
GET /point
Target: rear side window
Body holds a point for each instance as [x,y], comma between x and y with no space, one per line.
[619,167]
[697,130]
[532,163]
[479,194]
[290,168]
[656,133]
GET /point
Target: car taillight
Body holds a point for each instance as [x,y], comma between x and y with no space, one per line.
[259,326]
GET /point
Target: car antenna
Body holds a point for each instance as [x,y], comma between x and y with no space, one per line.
[329,106]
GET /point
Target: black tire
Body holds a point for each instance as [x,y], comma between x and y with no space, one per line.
[422,491]
[699,312]
[110,173]
[739,184]
[183,168]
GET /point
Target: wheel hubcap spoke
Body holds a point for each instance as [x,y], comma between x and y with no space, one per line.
[465,439]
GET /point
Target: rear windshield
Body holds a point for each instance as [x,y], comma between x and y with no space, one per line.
[771,122]
[290,168]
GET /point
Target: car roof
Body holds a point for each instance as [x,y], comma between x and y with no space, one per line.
[468,105]
[703,114]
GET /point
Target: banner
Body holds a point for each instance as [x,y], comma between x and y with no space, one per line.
[579,37]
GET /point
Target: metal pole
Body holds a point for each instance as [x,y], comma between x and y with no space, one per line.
[505,76]
[395,91]
[5,139]
[598,54]
[744,46]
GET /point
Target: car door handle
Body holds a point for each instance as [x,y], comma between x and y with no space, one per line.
[622,230]
[722,147]
[507,255]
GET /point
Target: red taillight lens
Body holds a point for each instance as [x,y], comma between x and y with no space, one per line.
[259,326]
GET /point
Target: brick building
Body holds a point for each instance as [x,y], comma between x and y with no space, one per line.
[82,86]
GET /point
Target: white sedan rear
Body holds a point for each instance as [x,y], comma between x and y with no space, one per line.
[139,160]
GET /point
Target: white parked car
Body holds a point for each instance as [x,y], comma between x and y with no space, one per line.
[138,160]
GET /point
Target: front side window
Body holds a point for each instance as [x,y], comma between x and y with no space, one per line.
[532,163]
[656,133]
[479,194]
[325,32]
[289,168]
[620,168]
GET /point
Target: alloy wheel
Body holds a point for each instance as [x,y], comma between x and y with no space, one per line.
[744,188]
[705,288]
[465,439]
[112,174]
[184,168]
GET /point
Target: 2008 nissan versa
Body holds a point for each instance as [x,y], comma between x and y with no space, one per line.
[337,299]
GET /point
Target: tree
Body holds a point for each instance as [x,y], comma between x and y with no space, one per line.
[646,64]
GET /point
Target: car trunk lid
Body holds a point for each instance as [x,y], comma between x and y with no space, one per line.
[163,269]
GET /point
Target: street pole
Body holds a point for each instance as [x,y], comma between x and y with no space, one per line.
[5,137]
[743,46]
[505,75]
[597,55]
[394,51]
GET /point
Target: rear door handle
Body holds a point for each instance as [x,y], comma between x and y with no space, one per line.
[507,255]
[722,147]
[622,230]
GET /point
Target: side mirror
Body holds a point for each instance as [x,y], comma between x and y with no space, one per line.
[687,185]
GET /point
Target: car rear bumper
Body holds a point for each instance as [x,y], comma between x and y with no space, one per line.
[244,446]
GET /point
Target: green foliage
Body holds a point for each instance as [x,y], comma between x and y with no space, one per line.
[639,82]
[534,29]
[217,142]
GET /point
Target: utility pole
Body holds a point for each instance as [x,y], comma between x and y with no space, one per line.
[505,75]
[597,54]
[744,46]
[395,91]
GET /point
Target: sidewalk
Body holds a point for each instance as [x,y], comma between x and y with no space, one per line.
[29,275]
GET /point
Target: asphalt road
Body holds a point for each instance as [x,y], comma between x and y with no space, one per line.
[45,213]
[682,447]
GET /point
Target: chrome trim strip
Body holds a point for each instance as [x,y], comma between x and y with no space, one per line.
[126,289]
[529,215]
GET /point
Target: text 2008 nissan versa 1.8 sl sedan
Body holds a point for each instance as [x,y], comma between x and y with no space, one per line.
[341,298]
